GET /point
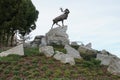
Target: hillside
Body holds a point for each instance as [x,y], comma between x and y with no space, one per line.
[34,65]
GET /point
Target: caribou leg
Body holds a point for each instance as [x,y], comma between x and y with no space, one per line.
[62,23]
[52,25]
[57,24]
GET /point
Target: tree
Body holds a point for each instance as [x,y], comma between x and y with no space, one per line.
[16,15]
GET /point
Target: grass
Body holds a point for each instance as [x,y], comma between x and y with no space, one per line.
[31,51]
[59,48]
[35,66]
[11,57]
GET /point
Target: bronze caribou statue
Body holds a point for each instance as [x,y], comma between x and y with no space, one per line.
[61,17]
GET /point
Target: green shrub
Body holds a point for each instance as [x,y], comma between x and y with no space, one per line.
[75,47]
[26,73]
[16,72]
[1,69]
[88,56]
[50,61]
[16,68]
[44,79]
[36,73]
[31,51]
[59,48]
[35,60]
[7,71]
[67,73]
[88,64]
[78,61]
[96,62]
[16,78]
[44,68]
[62,79]
[93,63]
[48,73]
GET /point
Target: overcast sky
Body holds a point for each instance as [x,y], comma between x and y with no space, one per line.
[95,21]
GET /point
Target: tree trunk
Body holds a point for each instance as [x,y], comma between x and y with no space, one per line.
[12,39]
[3,37]
[7,40]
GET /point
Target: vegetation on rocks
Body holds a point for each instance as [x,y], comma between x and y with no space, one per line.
[59,48]
[34,65]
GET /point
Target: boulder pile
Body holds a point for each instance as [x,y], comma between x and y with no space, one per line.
[112,61]
[63,57]
[58,36]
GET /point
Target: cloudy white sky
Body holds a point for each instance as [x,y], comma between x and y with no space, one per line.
[95,21]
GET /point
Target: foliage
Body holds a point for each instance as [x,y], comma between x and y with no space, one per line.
[31,51]
[88,56]
[44,68]
[75,47]
[93,63]
[59,48]
[16,16]
[4,49]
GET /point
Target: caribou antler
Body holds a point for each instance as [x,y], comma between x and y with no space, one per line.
[61,10]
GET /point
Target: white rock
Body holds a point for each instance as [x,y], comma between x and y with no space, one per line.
[34,45]
[43,42]
[47,50]
[104,52]
[37,41]
[15,50]
[84,49]
[72,52]
[105,59]
[58,55]
[114,66]
[64,58]
[74,44]
[89,46]
[58,36]
[27,44]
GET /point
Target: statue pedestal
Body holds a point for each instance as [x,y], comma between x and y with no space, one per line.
[57,36]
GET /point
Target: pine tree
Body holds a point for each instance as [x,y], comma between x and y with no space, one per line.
[16,16]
